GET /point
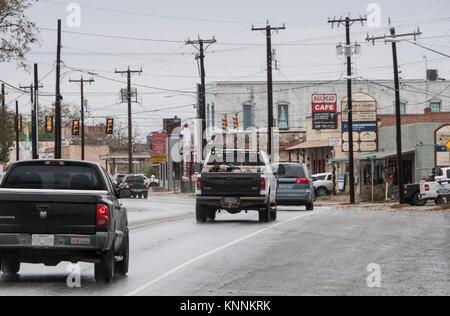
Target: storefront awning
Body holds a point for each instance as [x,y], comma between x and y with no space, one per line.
[376,155]
[310,144]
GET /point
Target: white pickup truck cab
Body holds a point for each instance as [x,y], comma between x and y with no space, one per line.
[438,189]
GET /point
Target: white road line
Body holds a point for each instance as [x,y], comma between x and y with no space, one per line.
[209,253]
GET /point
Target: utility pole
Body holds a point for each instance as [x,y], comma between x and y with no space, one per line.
[268,29]
[393,39]
[58,118]
[35,113]
[130,122]
[32,88]
[17,131]
[81,82]
[348,22]
[3,96]
[200,46]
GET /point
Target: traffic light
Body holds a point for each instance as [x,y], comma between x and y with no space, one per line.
[76,127]
[236,121]
[225,123]
[49,124]
[19,123]
[109,126]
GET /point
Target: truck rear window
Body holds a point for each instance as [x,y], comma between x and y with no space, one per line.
[235,158]
[53,178]
[135,179]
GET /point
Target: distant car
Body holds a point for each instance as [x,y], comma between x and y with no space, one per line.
[323,184]
[136,184]
[295,186]
[117,180]
[152,182]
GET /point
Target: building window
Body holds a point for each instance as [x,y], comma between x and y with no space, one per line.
[402,108]
[283,116]
[435,106]
[247,116]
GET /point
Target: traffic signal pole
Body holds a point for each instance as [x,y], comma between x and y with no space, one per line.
[17,131]
[81,82]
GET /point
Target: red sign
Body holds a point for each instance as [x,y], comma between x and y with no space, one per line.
[159,143]
[324,111]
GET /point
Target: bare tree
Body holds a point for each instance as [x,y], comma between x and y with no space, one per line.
[17,32]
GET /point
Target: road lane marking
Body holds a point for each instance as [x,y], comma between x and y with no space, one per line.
[209,253]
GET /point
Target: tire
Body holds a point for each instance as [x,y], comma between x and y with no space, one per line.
[264,214]
[417,201]
[310,206]
[10,265]
[212,214]
[146,196]
[274,213]
[104,271]
[123,266]
[322,191]
[201,213]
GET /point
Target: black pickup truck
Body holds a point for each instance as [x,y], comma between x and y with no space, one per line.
[54,210]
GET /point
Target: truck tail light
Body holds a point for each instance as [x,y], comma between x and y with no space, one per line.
[127,186]
[199,183]
[116,183]
[146,186]
[263,184]
[102,215]
[303,181]
[427,187]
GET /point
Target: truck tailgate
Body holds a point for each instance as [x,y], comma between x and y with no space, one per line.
[231,184]
[48,212]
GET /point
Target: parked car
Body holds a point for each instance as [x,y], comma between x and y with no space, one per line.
[236,181]
[56,210]
[295,186]
[323,184]
[136,184]
[117,180]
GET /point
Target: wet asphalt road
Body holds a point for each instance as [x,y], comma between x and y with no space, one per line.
[325,252]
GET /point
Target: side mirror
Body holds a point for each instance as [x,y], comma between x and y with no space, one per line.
[124,194]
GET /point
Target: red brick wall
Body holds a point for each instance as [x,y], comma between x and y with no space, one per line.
[428,117]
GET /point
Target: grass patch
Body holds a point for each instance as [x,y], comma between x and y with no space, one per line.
[446,206]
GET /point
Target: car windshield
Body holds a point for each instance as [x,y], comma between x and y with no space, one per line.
[289,171]
[54,178]
[319,178]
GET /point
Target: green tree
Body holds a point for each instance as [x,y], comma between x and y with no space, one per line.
[7,133]
[17,32]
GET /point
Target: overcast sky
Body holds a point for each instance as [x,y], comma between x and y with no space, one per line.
[168,64]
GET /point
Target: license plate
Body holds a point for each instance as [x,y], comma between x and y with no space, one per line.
[43,240]
[286,186]
[230,202]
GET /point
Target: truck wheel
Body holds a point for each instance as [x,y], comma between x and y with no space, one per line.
[10,265]
[212,214]
[274,213]
[322,191]
[201,213]
[104,271]
[417,201]
[122,266]
[145,195]
[264,214]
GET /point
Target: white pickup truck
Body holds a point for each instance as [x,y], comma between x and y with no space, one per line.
[437,190]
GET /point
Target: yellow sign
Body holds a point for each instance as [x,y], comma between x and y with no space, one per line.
[158,159]
[448,145]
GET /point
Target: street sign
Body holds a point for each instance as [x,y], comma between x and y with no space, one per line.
[158,158]
[448,145]
[371,157]
[159,144]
